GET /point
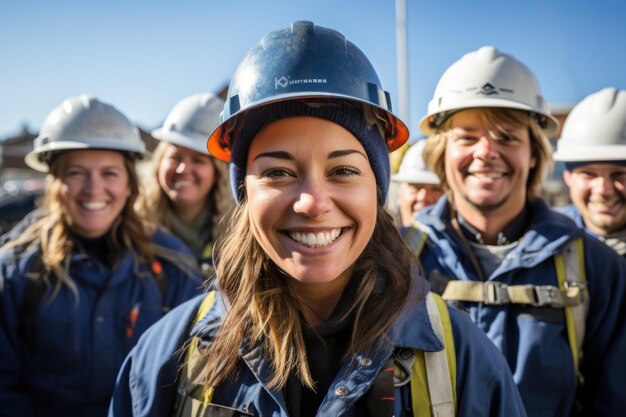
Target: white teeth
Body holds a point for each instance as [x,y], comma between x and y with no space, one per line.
[488,174]
[94,205]
[180,184]
[314,240]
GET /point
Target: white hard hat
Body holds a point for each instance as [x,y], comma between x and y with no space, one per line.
[595,129]
[413,169]
[83,122]
[191,122]
[487,78]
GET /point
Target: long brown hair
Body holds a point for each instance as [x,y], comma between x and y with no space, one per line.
[263,309]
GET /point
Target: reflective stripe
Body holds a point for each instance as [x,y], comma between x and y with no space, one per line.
[434,373]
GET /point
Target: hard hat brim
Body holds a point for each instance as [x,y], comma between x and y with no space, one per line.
[591,153]
[34,161]
[216,147]
[417,178]
[551,126]
[194,142]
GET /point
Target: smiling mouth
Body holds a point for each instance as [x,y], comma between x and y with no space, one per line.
[94,205]
[315,240]
[181,184]
[490,175]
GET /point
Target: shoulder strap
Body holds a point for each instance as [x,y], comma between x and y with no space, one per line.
[190,402]
[570,273]
[416,237]
[433,380]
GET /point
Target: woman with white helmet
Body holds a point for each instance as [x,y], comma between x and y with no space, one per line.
[317,297]
[593,148]
[86,275]
[191,193]
[549,296]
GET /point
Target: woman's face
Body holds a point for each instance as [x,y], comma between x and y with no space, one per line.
[186,176]
[311,196]
[95,189]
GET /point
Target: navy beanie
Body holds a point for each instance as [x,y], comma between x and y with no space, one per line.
[337,111]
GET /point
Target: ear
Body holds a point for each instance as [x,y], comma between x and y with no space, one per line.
[567,177]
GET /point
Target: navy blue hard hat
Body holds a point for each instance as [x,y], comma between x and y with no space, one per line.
[299,62]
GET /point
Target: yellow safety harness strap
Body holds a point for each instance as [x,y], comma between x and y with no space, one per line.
[194,397]
[433,380]
[416,238]
[570,274]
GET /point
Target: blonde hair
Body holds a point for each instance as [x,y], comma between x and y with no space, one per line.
[496,119]
[52,231]
[265,311]
[219,201]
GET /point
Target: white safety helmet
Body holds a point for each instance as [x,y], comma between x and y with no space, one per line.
[487,78]
[83,122]
[191,121]
[413,169]
[595,129]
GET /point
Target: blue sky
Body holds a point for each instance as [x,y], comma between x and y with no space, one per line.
[143,56]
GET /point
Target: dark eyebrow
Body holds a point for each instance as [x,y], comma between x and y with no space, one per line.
[345,152]
[276,154]
[287,155]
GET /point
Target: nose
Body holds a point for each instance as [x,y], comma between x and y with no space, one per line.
[93,185]
[313,200]
[181,167]
[485,149]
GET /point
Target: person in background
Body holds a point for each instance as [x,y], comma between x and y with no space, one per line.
[85,276]
[315,288]
[549,296]
[593,148]
[419,187]
[191,193]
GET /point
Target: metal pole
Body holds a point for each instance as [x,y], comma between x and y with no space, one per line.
[402,62]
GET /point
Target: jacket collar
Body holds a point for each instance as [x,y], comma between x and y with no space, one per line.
[546,235]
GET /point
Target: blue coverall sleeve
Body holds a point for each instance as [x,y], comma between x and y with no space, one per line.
[121,403]
[603,365]
[146,383]
[14,402]
[485,386]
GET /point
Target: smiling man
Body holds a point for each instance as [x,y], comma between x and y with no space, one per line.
[593,147]
[494,248]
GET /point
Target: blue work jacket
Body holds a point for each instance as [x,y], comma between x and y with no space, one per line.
[147,382]
[75,346]
[536,345]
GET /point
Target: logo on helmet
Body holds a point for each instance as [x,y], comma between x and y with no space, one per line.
[284,82]
[487,90]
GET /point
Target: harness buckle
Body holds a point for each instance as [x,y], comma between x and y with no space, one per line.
[403,366]
[495,293]
[547,295]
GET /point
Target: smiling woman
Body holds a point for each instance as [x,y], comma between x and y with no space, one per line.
[191,193]
[84,276]
[315,294]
